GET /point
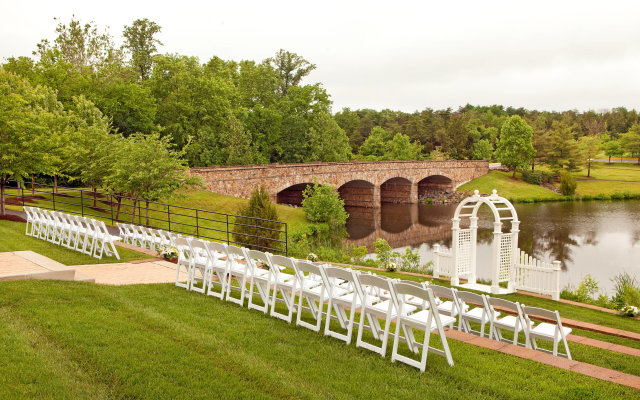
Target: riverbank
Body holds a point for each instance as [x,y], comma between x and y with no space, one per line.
[606,182]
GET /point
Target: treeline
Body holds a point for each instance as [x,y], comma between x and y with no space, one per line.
[218,112]
[474,132]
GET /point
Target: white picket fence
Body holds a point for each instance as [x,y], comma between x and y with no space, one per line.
[535,276]
[528,274]
[442,262]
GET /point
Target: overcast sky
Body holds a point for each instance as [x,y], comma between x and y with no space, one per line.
[401,55]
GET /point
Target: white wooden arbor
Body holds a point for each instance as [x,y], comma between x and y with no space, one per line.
[504,248]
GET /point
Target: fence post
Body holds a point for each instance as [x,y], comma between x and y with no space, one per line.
[81,202]
[53,197]
[169,216]
[286,241]
[197,225]
[228,229]
[436,264]
[22,191]
[111,204]
[556,277]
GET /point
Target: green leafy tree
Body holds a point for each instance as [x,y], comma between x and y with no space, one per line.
[322,203]
[147,168]
[327,141]
[482,150]
[140,41]
[31,123]
[291,68]
[254,232]
[590,147]
[564,151]
[631,141]
[375,146]
[401,148]
[131,107]
[568,184]
[514,148]
[613,148]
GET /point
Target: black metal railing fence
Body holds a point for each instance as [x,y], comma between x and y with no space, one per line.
[252,232]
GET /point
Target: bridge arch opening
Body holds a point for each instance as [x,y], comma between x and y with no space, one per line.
[292,195]
[396,191]
[358,193]
[434,186]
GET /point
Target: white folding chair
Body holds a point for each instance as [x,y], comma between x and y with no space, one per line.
[47,222]
[38,222]
[89,240]
[546,331]
[165,239]
[427,320]
[68,227]
[104,241]
[450,305]
[199,266]
[184,260]
[379,301]
[139,237]
[313,289]
[30,220]
[284,283]
[261,272]
[343,293]
[474,309]
[240,269]
[220,267]
[55,231]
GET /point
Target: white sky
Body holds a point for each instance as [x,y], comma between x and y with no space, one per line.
[402,55]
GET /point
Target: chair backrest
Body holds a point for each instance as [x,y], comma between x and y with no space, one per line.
[498,302]
[335,273]
[309,271]
[373,285]
[470,298]
[235,252]
[27,211]
[443,292]
[424,294]
[198,247]
[282,261]
[183,248]
[540,312]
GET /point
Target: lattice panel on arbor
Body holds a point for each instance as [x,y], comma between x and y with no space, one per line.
[463,253]
[504,261]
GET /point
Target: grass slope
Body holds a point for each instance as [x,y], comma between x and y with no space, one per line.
[14,239]
[74,340]
[506,186]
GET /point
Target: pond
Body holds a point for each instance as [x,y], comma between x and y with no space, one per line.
[597,238]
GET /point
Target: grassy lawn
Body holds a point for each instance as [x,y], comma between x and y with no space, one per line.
[14,239]
[507,187]
[77,340]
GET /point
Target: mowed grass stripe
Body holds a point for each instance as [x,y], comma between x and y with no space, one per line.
[158,341]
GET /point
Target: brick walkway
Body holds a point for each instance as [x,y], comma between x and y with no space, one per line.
[593,371]
[151,271]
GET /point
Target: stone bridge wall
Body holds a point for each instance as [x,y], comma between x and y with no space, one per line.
[240,181]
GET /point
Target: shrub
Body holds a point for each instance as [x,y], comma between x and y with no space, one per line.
[534,178]
[384,253]
[357,253]
[428,201]
[567,184]
[410,260]
[254,233]
[322,203]
[587,289]
[627,290]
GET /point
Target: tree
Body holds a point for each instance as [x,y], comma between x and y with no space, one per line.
[147,168]
[590,146]
[374,147]
[291,68]
[514,148]
[322,203]
[31,123]
[631,141]
[564,152]
[327,141]
[613,148]
[401,148]
[482,150]
[140,41]
[254,232]
[80,45]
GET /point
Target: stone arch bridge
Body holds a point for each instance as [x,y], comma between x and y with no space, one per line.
[360,183]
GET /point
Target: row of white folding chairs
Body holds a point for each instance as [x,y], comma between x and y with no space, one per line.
[346,291]
[142,236]
[86,235]
[481,309]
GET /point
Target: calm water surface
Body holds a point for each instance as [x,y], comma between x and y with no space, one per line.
[597,238]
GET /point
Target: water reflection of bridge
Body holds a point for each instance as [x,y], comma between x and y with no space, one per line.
[399,224]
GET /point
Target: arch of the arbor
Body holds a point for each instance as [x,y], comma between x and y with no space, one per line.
[361,184]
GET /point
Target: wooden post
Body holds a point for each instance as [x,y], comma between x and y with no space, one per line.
[474,238]
[515,230]
[495,264]
[436,259]
[556,276]
[455,230]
